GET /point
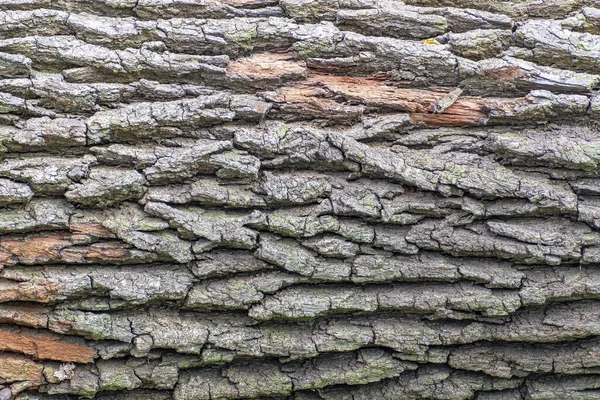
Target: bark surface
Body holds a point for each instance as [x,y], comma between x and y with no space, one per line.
[299,199]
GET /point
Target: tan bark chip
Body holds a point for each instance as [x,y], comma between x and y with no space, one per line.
[267,66]
[15,368]
[51,348]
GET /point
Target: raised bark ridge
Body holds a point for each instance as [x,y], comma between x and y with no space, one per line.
[299,199]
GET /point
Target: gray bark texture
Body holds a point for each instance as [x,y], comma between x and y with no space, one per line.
[300,199]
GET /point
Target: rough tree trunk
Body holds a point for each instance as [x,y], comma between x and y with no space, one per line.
[299,199]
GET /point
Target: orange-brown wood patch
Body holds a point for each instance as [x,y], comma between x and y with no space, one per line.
[14,368]
[35,316]
[267,66]
[45,348]
[32,249]
[57,247]
[91,229]
[328,94]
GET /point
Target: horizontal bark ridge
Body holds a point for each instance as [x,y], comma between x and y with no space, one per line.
[299,199]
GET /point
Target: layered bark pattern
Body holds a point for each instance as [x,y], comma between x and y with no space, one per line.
[299,199]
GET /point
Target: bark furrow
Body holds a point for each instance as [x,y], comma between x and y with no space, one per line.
[299,199]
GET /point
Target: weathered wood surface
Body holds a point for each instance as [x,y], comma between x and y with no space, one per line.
[299,199]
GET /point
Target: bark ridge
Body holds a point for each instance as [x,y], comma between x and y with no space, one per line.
[299,199]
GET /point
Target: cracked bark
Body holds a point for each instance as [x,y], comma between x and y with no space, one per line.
[299,199]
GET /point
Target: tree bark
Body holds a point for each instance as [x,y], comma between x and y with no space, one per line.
[299,199]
